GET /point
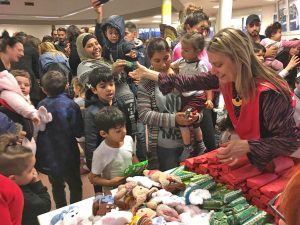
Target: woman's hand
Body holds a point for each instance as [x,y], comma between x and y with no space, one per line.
[143,73]
[292,63]
[233,151]
[182,120]
[118,66]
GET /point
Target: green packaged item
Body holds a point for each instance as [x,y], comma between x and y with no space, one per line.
[232,195]
[135,169]
[211,204]
[257,219]
[240,200]
[231,220]
[218,218]
[239,208]
[245,215]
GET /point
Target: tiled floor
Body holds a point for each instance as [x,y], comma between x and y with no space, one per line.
[88,189]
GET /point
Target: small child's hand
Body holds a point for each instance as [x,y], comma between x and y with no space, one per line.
[209,104]
[132,54]
[171,72]
[21,136]
[35,176]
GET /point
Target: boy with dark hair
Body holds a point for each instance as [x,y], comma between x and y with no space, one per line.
[58,153]
[115,153]
[110,35]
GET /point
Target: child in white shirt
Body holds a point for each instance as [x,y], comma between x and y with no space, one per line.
[115,153]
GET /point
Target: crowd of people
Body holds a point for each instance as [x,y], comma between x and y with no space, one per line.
[109,97]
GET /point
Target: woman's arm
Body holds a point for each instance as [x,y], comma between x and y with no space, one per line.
[280,136]
[201,81]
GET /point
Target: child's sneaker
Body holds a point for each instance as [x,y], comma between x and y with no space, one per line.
[186,153]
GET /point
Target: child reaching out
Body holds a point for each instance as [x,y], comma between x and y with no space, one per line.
[17,163]
[192,44]
[115,153]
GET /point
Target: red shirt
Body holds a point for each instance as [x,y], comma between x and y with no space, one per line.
[11,202]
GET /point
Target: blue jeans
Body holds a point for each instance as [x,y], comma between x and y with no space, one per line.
[168,158]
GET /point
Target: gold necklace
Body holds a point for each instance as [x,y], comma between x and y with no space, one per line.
[237,101]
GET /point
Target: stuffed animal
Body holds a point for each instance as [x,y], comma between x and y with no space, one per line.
[168,182]
[70,216]
[124,198]
[194,216]
[115,217]
[143,181]
[195,196]
[147,212]
[141,194]
[103,203]
[168,213]
[157,197]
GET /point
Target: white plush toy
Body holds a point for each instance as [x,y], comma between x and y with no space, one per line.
[197,196]
[143,181]
[115,217]
[70,216]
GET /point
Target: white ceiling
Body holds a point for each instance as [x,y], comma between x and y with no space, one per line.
[80,11]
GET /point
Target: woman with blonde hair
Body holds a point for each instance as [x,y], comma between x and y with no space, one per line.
[49,55]
[258,101]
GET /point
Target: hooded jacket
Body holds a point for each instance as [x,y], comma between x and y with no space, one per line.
[118,50]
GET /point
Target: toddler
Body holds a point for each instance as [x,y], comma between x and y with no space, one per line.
[17,163]
[191,45]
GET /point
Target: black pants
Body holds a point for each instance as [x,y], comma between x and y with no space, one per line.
[73,179]
[208,130]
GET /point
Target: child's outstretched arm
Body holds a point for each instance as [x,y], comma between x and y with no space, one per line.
[98,180]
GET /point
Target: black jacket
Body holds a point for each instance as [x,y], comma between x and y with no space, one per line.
[118,50]
[36,201]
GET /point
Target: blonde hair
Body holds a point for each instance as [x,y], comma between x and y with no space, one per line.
[14,158]
[50,48]
[237,45]
[75,82]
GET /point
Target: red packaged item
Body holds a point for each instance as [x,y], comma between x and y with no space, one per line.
[254,193]
[257,202]
[261,180]
[273,188]
[265,199]
[242,174]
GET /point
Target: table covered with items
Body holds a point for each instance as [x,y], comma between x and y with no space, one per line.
[201,191]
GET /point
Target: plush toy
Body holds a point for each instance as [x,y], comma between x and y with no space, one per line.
[194,216]
[103,203]
[147,212]
[161,221]
[195,196]
[141,220]
[143,181]
[141,194]
[167,212]
[123,198]
[115,217]
[157,197]
[70,216]
[168,182]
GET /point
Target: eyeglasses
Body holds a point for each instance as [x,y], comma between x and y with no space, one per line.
[272,206]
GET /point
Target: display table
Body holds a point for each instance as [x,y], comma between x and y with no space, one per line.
[85,205]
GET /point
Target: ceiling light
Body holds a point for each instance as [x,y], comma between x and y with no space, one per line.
[156,21]
[157,16]
[134,20]
[216,7]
